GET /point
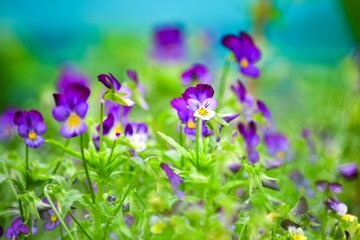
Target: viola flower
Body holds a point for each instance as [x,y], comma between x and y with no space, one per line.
[349,171]
[245,52]
[197,72]
[30,126]
[200,101]
[175,180]
[51,219]
[137,133]
[139,91]
[129,220]
[116,93]
[7,126]
[71,108]
[296,233]
[252,140]
[302,184]
[168,44]
[264,110]
[18,229]
[336,206]
[323,185]
[187,117]
[245,99]
[277,144]
[69,75]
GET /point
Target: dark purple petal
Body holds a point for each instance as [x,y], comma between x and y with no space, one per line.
[59,99]
[49,225]
[335,187]
[175,180]
[129,130]
[264,110]
[20,117]
[168,43]
[200,92]
[132,75]
[106,80]
[253,156]
[231,117]
[23,131]
[61,113]
[270,184]
[232,42]
[301,207]
[239,90]
[33,118]
[251,52]
[251,71]
[107,124]
[76,94]
[81,110]
[349,171]
[197,72]
[234,167]
[321,185]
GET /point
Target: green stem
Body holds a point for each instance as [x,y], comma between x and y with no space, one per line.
[101,125]
[223,81]
[111,153]
[79,225]
[61,156]
[198,138]
[21,211]
[181,142]
[27,167]
[57,214]
[10,182]
[86,169]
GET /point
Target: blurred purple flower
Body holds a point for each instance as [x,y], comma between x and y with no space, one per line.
[129,220]
[49,216]
[168,44]
[116,92]
[30,126]
[187,117]
[245,52]
[69,75]
[337,206]
[17,230]
[277,144]
[323,185]
[175,180]
[196,73]
[200,100]
[234,167]
[349,171]
[302,183]
[264,110]
[245,99]
[138,134]
[7,126]
[306,133]
[251,140]
[71,108]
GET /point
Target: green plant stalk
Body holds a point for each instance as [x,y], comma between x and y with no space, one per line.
[61,156]
[27,167]
[223,80]
[181,142]
[21,210]
[79,225]
[198,138]
[86,169]
[101,125]
[10,182]
[111,153]
[58,214]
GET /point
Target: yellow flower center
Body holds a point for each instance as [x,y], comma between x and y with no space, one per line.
[203,112]
[74,120]
[244,63]
[118,129]
[53,218]
[32,135]
[280,155]
[191,124]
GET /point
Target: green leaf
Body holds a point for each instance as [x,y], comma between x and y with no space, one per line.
[70,197]
[118,98]
[174,144]
[64,148]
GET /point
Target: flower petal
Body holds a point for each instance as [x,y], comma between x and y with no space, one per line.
[40,128]
[61,113]
[251,71]
[81,109]
[68,131]
[23,130]
[210,103]
[35,143]
[210,114]
[194,104]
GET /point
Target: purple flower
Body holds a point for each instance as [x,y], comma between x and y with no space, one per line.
[51,219]
[302,183]
[306,133]
[7,126]
[70,75]
[245,99]
[129,220]
[71,108]
[200,100]
[263,109]
[277,144]
[245,51]
[234,167]
[337,206]
[17,229]
[197,72]
[349,171]
[323,185]
[175,180]
[168,44]
[30,126]
[140,91]
[251,140]
[116,92]
[187,117]
[137,133]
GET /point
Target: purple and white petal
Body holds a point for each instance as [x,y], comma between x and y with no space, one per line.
[210,103]
[194,104]
[37,142]
[68,131]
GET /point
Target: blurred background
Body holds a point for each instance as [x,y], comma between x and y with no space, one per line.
[309,70]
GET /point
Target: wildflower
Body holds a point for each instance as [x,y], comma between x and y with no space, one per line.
[234,167]
[349,171]
[71,108]
[69,75]
[245,52]
[197,72]
[251,140]
[277,145]
[244,98]
[140,91]
[17,230]
[263,109]
[52,220]
[7,126]
[174,179]
[323,185]
[200,100]
[30,126]
[137,133]
[336,206]
[296,233]
[116,92]
[302,184]
[129,220]
[187,117]
[168,44]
